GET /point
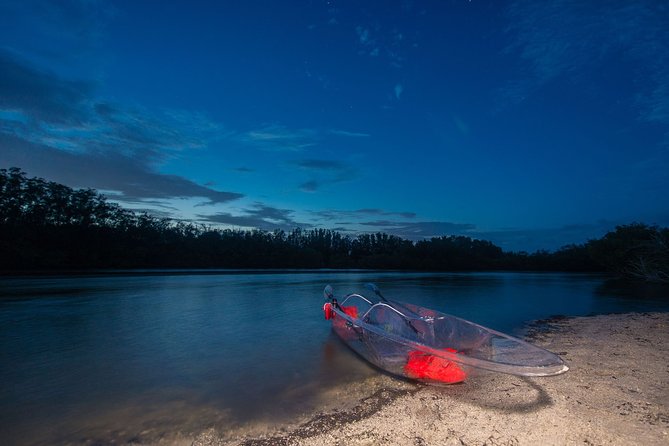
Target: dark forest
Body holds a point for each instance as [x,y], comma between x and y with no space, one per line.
[49,226]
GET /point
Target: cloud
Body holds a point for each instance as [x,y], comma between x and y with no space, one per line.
[58,129]
[332,214]
[39,95]
[280,138]
[319,164]
[111,171]
[67,34]
[374,211]
[154,212]
[461,125]
[351,134]
[566,38]
[580,41]
[266,218]
[328,172]
[310,186]
[363,35]
[378,42]
[398,91]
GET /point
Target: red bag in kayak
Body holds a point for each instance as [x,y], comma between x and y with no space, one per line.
[421,365]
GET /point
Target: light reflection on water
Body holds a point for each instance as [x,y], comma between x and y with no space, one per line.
[87,357]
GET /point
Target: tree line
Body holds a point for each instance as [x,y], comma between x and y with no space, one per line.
[49,226]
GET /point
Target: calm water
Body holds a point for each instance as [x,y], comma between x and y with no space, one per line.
[83,358]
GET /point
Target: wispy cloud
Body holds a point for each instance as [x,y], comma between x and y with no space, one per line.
[566,38]
[364,35]
[276,137]
[390,44]
[321,164]
[374,211]
[398,91]
[461,125]
[74,137]
[260,216]
[310,186]
[66,34]
[328,172]
[368,44]
[333,214]
[350,134]
[579,41]
[40,97]
[280,138]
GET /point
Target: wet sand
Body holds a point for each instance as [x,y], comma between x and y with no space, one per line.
[616,393]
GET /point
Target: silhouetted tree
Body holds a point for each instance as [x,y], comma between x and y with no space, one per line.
[635,250]
[46,225]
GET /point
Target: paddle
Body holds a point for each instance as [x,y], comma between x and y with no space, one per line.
[377,291]
[328,293]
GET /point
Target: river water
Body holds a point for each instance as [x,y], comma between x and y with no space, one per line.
[84,359]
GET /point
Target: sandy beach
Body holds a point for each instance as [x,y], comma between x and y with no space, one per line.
[616,393]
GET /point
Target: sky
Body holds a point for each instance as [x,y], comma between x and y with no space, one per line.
[532,124]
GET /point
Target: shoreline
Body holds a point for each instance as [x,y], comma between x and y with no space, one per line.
[616,392]
[111,272]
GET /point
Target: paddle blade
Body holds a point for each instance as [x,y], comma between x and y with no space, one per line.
[328,292]
[376,290]
[372,287]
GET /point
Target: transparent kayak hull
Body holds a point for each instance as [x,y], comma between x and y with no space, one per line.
[425,345]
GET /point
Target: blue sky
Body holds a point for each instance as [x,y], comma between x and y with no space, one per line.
[530,124]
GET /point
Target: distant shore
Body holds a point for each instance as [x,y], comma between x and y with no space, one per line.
[616,392]
[205,271]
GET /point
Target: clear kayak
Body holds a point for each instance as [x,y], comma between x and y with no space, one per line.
[425,345]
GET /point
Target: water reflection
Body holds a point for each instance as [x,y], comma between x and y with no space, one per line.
[110,357]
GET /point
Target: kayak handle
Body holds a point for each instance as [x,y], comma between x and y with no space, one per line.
[359,296]
[383,304]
